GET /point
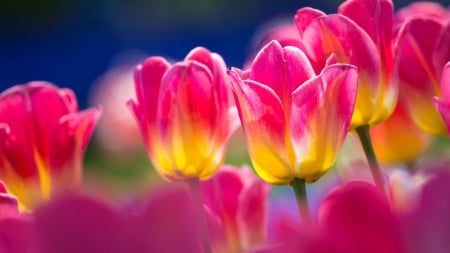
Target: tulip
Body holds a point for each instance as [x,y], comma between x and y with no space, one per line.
[360,35]
[294,120]
[238,200]
[184,113]
[398,139]
[423,51]
[43,137]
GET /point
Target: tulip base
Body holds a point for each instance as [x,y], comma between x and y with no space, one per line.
[299,186]
[194,187]
[364,137]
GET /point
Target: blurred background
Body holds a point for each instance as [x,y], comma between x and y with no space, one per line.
[84,44]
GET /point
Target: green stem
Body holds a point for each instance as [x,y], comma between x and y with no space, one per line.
[194,187]
[299,187]
[364,137]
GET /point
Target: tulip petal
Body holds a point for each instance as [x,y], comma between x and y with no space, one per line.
[441,53]
[339,35]
[445,82]
[147,79]
[188,116]
[376,18]
[282,69]
[305,16]
[264,125]
[358,218]
[320,118]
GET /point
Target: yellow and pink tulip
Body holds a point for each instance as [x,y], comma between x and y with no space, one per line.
[185,114]
[42,140]
[294,120]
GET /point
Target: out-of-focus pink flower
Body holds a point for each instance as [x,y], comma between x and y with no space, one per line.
[16,234]
[79,223]
[360,35]
[423,50]
[443,105]
[43,137]
[427,227]
[185,113]
[239,200]
[116,131]
[398,139]
[431,10]
[283,106]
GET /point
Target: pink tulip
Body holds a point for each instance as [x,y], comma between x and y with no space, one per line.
[43,137]
[283,107]
[423,51]
[184,113]
[360,35]
[238,200]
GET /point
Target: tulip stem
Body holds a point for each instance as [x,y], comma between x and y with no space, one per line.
[299,187]
[194,187]
[364,137]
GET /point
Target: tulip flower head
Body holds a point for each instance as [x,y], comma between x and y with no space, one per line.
[184,113]
[43,137]
[360,35]
[294,120]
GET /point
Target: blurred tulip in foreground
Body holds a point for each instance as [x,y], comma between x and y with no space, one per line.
[238,199]
[43,137]
[294,120]
[184,113]
[398,139]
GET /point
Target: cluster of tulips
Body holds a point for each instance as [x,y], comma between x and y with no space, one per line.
[367,72]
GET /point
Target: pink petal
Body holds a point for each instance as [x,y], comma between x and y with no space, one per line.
[281,69]
[305,16]
[427,227]
[169,223]
[147,78]
[359,219]
[339,35]
[264,125]
[417,77]
[75,223]
[221,192]
[443,107]
[8,203]
[425,9]
[445,82]
[201,55]
[441,54]
[253,212]
[15,156]
[17,235]
[376,18]
[329,98]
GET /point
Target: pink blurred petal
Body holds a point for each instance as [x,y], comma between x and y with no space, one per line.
[426,9]
[75,223]
[445,82]
[359,219]
[17,235]
[169,223]
[443,107]
[427,228]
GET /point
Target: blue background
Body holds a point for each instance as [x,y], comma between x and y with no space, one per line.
[72,42]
